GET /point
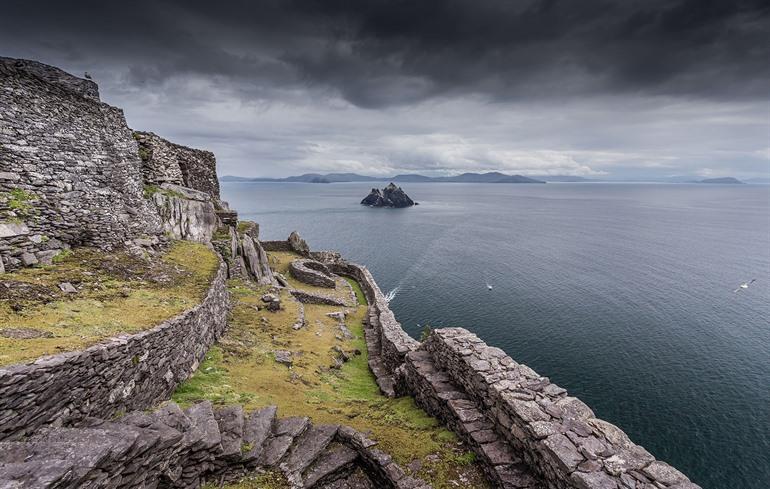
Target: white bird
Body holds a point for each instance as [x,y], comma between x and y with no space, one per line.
[745,285]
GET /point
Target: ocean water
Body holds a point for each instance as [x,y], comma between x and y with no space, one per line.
[621,293]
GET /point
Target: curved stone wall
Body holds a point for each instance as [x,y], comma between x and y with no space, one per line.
[312,272]
[70,173]
[126,373]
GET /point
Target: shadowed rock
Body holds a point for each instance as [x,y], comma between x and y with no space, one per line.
[390,196]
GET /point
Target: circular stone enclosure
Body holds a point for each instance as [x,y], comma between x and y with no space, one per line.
[312,272]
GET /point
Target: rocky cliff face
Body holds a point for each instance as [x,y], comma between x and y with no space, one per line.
[186,213]
[390,196]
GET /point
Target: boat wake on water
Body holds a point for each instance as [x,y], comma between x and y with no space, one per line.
[392,294]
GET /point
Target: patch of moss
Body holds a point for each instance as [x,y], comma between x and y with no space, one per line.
[267,480]
[145,153]
[62,256]
[116,293]
[357,289]
[19,201]
[150,190]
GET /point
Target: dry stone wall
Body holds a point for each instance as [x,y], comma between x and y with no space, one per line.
[126,373]
[167,162]
[557,435]
[70,173]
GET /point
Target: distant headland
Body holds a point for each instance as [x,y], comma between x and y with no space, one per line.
[723,180]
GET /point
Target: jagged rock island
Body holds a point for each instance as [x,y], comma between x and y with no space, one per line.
[150,338]
[390,196]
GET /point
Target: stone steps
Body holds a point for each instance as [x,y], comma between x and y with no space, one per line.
[173,448]
[385,381]
[440,397]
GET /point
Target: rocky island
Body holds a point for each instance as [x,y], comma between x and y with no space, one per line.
[390,196]
[150,338]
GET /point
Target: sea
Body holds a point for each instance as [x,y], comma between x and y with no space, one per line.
[622,293]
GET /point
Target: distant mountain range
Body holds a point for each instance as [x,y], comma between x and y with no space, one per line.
[720,180]
[491,177]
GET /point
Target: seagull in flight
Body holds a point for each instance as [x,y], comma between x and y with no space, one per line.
[744,285]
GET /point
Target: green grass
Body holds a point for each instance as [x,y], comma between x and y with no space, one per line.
[116,293]
[357,289]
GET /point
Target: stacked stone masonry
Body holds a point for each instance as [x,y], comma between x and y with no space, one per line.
[176,448]
[126,373]
[70,173]
[535,421]
[312,272]
[167,162]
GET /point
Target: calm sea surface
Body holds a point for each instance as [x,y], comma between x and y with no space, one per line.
[621,293]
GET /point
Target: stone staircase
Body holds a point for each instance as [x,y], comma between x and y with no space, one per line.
[175,448]
[385,380]
[435,392]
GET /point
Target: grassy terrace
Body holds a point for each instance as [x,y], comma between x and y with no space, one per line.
[241,369]
[115,293]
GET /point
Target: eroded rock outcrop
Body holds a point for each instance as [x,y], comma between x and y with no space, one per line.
[390,196]
[186,213]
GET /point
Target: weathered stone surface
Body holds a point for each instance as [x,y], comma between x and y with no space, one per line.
[186,213]
[312,272]
[298,245]
[74,160]
[166,162]
[283,356]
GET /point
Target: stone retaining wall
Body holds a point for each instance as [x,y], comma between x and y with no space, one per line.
[558,436]
[126,373]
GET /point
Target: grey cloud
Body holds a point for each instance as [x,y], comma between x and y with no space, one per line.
[279,86]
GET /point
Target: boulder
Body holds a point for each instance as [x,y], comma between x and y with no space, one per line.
[390,196]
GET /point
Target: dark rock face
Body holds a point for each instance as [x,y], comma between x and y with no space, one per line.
[390,196]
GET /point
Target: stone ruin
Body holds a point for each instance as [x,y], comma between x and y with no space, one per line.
[73,174]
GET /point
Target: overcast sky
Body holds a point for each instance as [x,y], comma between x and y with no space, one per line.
[621,89]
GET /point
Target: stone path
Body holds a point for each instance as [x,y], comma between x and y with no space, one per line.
[435,392]
[177,448]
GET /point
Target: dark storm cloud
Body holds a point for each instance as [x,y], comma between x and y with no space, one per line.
[626,88]
[378,53]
